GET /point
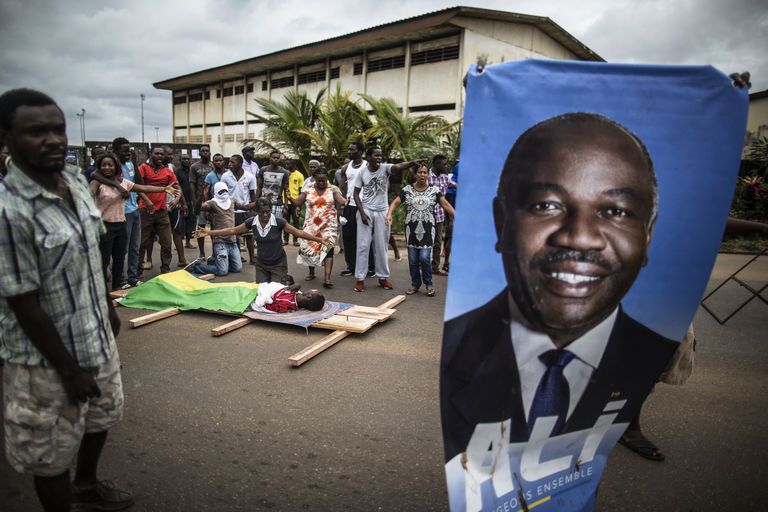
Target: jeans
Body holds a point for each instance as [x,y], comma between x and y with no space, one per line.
[420,258]
[226,258]
[133,232]
[112,246]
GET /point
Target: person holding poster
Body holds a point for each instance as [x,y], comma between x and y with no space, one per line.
[540,378]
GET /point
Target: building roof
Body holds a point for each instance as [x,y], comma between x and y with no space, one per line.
[758,95]
[430,25]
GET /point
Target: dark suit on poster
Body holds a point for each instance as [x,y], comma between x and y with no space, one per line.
[479,380]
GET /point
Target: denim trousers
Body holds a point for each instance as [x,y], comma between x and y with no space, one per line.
[133,233]
[420,258]
[225,259]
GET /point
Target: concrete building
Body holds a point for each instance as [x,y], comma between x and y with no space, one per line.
[757,120]
[419,62]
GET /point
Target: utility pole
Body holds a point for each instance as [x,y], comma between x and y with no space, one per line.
[142,115]
[81,115]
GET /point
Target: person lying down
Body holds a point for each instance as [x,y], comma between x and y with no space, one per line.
[279,298]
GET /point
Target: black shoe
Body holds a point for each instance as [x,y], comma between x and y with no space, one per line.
[371,273]
[102,496]
[346,273]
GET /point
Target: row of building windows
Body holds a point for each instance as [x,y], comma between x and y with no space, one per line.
[398,61]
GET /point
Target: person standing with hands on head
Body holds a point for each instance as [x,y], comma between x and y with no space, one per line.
[370,191]
[197,175]
[420,227]
[62,390]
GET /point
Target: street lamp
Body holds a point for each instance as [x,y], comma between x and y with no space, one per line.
[157,134]
[142,115]
[81,115]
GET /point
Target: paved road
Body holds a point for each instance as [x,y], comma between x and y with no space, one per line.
[225,424]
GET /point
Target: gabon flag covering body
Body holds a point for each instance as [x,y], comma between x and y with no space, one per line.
[184,291]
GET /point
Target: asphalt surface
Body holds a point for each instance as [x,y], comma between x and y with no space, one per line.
[226,424]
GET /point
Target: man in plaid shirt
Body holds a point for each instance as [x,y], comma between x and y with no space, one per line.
[439,178]
[62,389]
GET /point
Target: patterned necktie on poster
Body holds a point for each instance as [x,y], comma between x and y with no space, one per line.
[552,396]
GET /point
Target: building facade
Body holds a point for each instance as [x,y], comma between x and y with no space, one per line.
[419,62]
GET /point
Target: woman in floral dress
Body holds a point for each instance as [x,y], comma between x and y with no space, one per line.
[320,220]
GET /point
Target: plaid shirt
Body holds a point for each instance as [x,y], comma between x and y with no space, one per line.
[441,182]
[47,247]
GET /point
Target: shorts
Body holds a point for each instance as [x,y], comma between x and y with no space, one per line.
[43,429]
[240,218]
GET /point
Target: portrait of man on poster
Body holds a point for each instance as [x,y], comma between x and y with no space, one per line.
[574,215]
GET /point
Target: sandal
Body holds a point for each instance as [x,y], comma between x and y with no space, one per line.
[327,284]
[430,291]
[644,448]
[309,277]
[412,290]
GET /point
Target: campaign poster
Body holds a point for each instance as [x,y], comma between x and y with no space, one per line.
[593,199]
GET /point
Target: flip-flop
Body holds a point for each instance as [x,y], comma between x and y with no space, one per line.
[430,292]
[328,285]
[310,277]
[643,448]
[411,290]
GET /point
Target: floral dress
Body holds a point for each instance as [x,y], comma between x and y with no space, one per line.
[319,220]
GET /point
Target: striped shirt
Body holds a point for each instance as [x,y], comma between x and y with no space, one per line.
[47,247]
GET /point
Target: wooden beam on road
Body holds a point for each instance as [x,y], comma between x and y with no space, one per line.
[314,349]
[230,326]
[153,317]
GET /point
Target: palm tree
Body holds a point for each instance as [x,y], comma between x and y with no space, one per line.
[341,121]
[399,135]
[287,123]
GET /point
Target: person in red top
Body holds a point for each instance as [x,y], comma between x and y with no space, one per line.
[154,217]
[278,298]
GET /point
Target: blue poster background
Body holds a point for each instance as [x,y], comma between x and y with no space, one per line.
[692,121]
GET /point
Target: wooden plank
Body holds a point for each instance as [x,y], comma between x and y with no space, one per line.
[207,277]
[153,317]
[230,326]
[394,301]
[314,349]
[116,294]
[346,323]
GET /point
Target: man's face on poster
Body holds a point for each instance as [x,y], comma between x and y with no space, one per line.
[574,222]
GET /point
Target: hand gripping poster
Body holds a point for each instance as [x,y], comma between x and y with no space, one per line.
[592,203]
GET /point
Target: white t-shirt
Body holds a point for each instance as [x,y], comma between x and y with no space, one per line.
[351,173]
[239,190]
[374,187]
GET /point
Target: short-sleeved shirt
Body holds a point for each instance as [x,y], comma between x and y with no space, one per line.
[110,202]
[374,187]
[47,247]
[295,181]
[270,247]
[160,178]
[197,174]
[222,219]
[213,178]
[129,173]
[251,168]
[283,301]
[419,215]
[240,189]
[273,182]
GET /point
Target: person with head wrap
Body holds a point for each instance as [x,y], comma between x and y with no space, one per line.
[226,255]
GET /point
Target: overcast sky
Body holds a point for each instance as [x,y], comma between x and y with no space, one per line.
[100,55]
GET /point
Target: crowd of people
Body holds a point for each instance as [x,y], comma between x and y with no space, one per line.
[156,201]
